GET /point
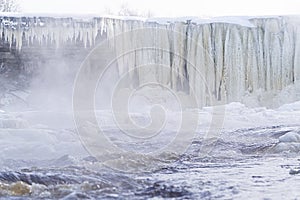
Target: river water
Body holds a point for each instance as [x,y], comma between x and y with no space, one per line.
[255,156]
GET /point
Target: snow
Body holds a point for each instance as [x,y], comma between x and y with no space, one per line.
[290,107]
[76,16]
[242,21]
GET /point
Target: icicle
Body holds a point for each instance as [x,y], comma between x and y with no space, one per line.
[18,36]
[297,54]
[103,25]
[231,59]
[10,37]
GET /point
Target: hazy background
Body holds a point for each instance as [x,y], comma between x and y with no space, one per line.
[169,8]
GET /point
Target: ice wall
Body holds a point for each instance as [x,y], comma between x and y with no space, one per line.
[223,58]
[231,58]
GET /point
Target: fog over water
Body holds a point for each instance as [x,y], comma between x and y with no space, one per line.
[150,108]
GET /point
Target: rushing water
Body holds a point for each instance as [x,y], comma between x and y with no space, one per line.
[255,156]
[206,178]
[244,163]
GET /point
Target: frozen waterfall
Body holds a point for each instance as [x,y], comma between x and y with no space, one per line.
[232,56]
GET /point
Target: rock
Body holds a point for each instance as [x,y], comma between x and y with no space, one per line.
[20,189]
[294,172]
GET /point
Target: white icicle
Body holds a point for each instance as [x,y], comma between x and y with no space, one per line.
[224,60]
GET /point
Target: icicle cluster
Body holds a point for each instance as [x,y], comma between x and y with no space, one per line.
[44,31]
[232,59]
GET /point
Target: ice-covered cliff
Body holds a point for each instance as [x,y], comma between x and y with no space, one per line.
[226,58]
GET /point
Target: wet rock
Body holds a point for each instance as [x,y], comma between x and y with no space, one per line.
[294,172]
[28,178]
[166,191]
[20,189]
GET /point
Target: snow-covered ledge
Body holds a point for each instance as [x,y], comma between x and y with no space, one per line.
[53,29]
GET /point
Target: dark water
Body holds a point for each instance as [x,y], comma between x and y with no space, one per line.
[244,164]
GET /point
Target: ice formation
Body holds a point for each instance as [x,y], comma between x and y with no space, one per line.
[233,56]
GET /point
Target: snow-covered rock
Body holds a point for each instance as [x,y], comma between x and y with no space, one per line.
[290,137]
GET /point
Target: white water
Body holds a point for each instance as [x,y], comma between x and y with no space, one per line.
[45,135]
